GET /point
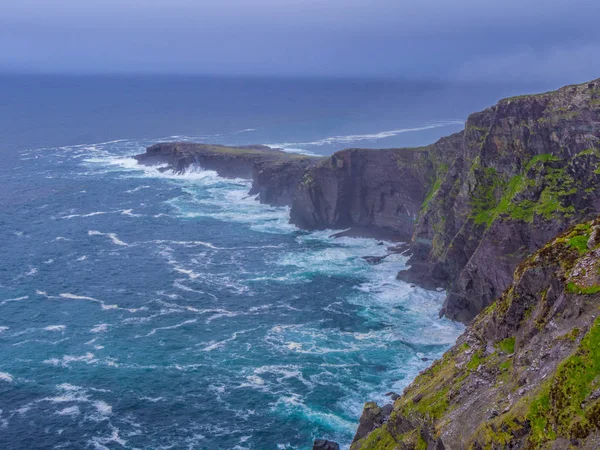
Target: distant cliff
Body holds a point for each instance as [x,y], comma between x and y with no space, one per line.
[524,375]
[275,174]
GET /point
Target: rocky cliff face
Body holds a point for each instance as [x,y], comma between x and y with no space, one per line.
[379,190]
[524,375]
[275,174]
[526,169]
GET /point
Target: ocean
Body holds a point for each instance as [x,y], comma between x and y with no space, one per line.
[141,309]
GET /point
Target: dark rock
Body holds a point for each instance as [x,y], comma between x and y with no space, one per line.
[387,410]
[417,398]
[374,259]
[372,417]
[275,174]
[323,444]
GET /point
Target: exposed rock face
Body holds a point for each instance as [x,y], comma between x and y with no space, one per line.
[524,375]
[275,174]
[526,170]
[375,189]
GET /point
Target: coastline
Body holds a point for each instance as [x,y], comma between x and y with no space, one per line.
[466,211]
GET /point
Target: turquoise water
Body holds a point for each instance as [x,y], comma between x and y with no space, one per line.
[141,309]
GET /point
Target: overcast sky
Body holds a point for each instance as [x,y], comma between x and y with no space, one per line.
[541,40]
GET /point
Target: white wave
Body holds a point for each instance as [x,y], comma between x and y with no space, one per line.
[102,407]
[348,139]
[187,322]
[23,410]
[82,258]
[100,328]
[69,411]
[129,213]
[292,405]
[101,442]
[112,236]
[152,399]
[16,299]
[88,358]
[255,379]
[213,345]
[3,329]
[139,188]
[92,214]
[6,377]
[188,243]
[32,271]
[103,305]
[60,328]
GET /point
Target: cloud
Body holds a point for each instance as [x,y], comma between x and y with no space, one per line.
[459,39]
[563,64]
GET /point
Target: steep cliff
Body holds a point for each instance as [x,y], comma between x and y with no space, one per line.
[379,190]
[526,169]
[524,375]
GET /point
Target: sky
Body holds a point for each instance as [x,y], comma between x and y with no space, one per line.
[465,40]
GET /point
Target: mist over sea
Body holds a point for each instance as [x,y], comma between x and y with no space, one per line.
[141,309]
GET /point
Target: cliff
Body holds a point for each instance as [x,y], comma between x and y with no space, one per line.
[524,375]
[526,169]
[377,190]
[275,174]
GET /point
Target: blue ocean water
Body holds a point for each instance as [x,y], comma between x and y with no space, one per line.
[141,309]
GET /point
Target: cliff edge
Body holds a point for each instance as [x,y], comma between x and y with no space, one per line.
[524,375]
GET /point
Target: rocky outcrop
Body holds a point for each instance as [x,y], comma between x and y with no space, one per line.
[275,174]
[526,372]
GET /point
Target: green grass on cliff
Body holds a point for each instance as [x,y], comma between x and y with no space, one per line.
[553,183]
[562,407]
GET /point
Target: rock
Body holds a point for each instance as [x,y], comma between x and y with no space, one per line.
[417,398]
[275,174]
[594,240]
[372,417]
[594,395]
[374,259]
[323,444]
